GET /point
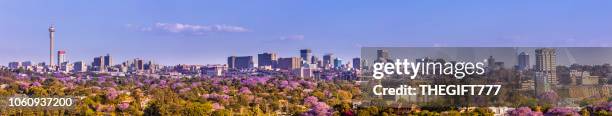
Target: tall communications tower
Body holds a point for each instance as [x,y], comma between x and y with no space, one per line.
[51,37]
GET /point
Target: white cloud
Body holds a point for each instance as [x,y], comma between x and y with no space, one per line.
[193,29]
[292,37]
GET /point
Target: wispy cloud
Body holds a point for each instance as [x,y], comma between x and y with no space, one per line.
[190,29]
[292,38]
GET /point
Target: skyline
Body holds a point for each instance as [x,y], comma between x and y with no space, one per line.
[206,32]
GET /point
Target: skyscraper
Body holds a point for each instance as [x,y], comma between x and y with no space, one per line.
[328,60]
[79,66]
[289,63]
[98,63]
[61,57]
[546,63]
[382,55]
[357,63]
[523,61]
[267,60]
[314,60]
[139,64]
[240,62]
[305,55]
[51,37]
[108,61]
[337,63]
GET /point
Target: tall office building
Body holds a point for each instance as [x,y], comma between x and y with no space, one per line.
[357,63]
[51,37]
[523,61]
[79,66]
[314,60]
[289,63]
[14,65]
[305,55]
[240,62]
[337,63]
[382,55]
[61,57]
[108,61]
[546,63]
[98,63]
[139,64]
[267,60]
[328,60]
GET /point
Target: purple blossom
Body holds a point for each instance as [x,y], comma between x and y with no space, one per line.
[318,109]
[245,90]
[601,106]
[139,84]
[184,90]
[217,106]
[558,111]
[177,85]
[24,85]
[310,100]
[216,97]
[36,84]
[162,82]
[254,81]
[123,106]
[524,111]
[111,93]
[223,89]
[196,84]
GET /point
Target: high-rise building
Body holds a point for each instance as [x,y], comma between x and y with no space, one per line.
[328,60]
[79,66]
[546,63]
[98,64]
[491,63]
[26,63]
[240,62]
[267,60]
[337,63]
[382,55]
[289,63]
[14,65]
[108,61]
[139,64]
[61,57]
[314,60]
[523,61]
[305,55]
[357,63]
[51,37]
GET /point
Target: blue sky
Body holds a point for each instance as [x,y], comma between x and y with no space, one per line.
[205,32]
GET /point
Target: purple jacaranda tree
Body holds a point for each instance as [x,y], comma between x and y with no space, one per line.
[559,111]
[223,89]
[245,90]
[318,109]
[601,106]
[123,106]
[215,96]
[196,84]
[36,84]
[217,106]
[524,111]
[24,85]
[310,100]
[111,93]
[177,85]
